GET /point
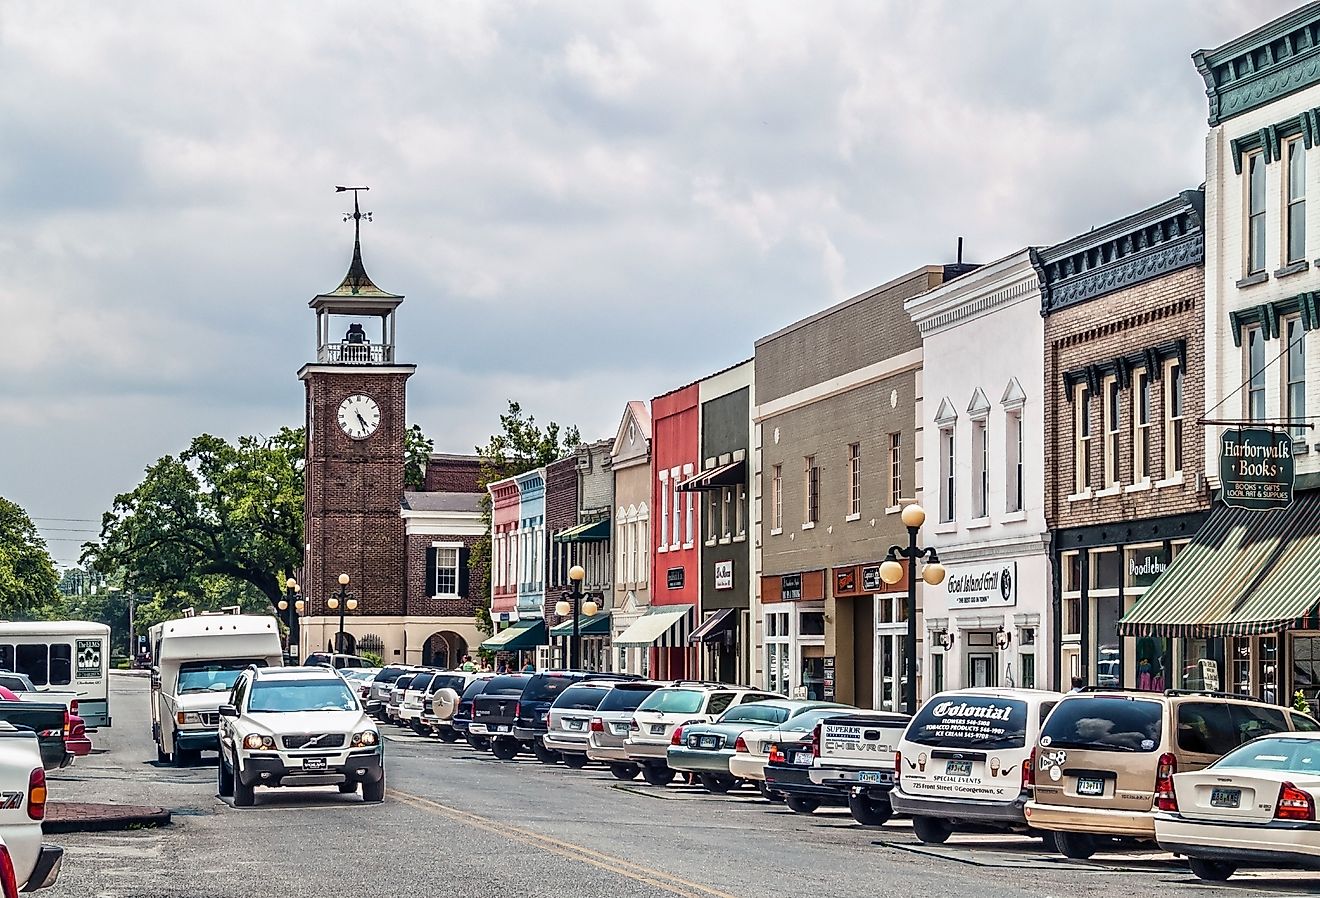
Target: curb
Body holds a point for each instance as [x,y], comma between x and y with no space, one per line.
[81,817]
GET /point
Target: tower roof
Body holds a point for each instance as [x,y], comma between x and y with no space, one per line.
[357,284]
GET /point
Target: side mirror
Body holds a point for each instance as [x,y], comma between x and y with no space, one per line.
[228,711]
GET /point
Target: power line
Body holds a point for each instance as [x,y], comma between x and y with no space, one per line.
[67,530]
[74,520]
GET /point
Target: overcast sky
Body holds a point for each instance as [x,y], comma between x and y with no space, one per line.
[584,203]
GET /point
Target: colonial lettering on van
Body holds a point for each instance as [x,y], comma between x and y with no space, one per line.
[982,586]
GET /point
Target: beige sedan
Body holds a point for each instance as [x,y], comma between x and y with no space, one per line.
[748,762]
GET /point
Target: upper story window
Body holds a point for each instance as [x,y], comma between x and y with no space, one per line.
[1173,419]
[855,479]
[1295,220]
[895,469]
[1113,424]
[980,468]
[777,497]
[811,491]
[1255,213]
[677,537]
[1141,427]
[1013,461]
[664,508]
[1255,374]
[446,572]
[1082,439]
[947,470]
[1294,373]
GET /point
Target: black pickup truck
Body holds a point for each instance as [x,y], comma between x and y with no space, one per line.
[47,720]
[494,712]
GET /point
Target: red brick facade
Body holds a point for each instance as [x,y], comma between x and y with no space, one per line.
[420,600]
[447,473]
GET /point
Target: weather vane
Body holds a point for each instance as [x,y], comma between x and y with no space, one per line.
[356,215]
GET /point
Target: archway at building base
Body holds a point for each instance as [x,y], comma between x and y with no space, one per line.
[444,649]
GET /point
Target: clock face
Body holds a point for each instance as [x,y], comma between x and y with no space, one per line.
[359,416]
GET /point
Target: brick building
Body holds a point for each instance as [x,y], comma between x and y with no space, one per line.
[1124,310]
[579,493]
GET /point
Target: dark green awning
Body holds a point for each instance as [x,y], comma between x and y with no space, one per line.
[596,625]
[518,637]
[593,532]
[1244,573]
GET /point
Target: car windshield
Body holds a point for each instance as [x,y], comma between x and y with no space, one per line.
[1286,753]
[546,688]
[390,674]
[510,685]
[580,698]
[1104,723]
[286,696]
[673,701]
[421,681]
[626,698]
[212,676]
[970,721]
[447,681]
[754,714]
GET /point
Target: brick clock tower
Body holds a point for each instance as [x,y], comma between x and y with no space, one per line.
[356,418]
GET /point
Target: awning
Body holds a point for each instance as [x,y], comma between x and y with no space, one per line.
[732,474]
[518,637]
[714,626]
[596,625]
[653,625]
[594,532]
[1244,573]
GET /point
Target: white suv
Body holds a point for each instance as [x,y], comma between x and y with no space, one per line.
[297,726]
[661,712]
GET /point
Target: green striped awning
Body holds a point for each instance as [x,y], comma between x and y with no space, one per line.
[1244,573]
[519,636]
[596,625]
[590,532]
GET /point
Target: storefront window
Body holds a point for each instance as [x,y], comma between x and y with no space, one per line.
[811,623]
[1106,569]
[777,663]
[1306,666]
[1201,665]
[1267,669]
[1152,663]
[1143,565]
[1240,665]
[1108,658]
[813,671]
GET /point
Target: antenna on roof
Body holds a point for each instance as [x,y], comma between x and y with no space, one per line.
[959,250]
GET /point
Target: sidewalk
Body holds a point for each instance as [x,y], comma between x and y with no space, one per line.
[88,817]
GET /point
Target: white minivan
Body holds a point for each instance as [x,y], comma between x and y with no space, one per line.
[966,759]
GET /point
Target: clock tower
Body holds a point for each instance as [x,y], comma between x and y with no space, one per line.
[355,419]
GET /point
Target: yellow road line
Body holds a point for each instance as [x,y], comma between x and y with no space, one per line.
[569,850]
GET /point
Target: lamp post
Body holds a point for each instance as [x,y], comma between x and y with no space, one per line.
[564,607]
[345,602]
[291,606]
[891,571]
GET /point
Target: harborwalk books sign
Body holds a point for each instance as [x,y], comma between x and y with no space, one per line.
[1256,468]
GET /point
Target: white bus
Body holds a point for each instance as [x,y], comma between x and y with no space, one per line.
[63,655]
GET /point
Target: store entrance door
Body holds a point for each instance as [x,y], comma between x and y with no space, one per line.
[980,671]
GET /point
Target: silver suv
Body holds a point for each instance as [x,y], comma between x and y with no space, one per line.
[662,711]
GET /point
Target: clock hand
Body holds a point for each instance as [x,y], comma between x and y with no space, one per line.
[361,420]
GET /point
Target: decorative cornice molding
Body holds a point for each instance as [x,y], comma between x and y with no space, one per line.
[978,306]
[999,283]
[1268,315]
[1274,60]
[1151,358]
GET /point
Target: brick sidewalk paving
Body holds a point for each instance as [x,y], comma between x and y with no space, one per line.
[84,817]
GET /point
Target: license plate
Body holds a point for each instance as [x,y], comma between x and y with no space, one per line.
[1225,798]
[707,742]
[501,729]
[1090,786]
[477,728]
[657,729]
[313,763]
[958,768]
[802,758]
[619,729]
[575,724]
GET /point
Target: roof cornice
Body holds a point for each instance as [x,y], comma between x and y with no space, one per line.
[1275,60]
[996,284]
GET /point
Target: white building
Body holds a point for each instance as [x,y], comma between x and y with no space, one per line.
[981,429]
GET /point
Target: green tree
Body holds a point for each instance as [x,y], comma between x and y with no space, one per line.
[417,449]
[223,510]
[519,446]
[27,574]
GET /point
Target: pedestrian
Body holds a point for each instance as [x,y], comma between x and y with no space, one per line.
[1078,684]
[468,666]
[529,667]
[504,666]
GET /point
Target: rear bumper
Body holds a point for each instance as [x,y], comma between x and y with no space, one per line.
[47,869]
[848,777]
[557,741]
[608,753]
[1000,813]
[789,781]
[646,752]
[528,734]
[747,766]
[362,767]
[680,757]
[1278,843]
[1100,822]
[80,747]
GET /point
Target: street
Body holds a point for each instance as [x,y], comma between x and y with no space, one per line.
[461,823]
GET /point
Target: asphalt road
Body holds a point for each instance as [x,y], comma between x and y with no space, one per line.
[459,823]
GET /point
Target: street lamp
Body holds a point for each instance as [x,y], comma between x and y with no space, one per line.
[565,607]
[292,606]
[891,571]
[345,602]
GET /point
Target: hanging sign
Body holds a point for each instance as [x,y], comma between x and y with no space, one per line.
[724,575]
[1256,468]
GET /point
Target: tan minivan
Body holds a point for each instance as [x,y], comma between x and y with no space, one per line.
[1105,758]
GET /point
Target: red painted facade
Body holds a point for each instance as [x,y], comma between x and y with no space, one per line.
[675,524]
[504,548]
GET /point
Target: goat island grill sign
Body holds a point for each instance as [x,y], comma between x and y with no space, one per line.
[1256,468]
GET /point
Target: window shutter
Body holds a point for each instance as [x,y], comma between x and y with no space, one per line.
[464,556]
[430,570]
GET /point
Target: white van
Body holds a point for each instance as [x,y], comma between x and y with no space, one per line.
[966,758]
[62,656]
[196,661]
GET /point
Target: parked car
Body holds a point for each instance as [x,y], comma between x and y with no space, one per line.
[663,710]
[462,721]
[569,725]
[752,752]
[788,775]
[494,712]
[336,660]
[381,685]
[23,782]
[440,703]
[397,690]
[297,726]
[25,691]
[77,744]
[410,701]
[965,759]
[707,748]
[855,755]
[359,678]
[610,725]
[50,721]
[1254,807]
[1104,757]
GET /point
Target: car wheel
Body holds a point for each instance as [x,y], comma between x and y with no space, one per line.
[244,795]
[543,754]
[1078,846]
[419,729]
[446,734]
[504,748]
[931,830]
[224,777]
[869,811]
[480,743]
[1211,871]
[657,774]
[347,788]
[714,783]
[625,771]
[1046,839]
[573,760]
[769,794]
[800,805]
[374,792]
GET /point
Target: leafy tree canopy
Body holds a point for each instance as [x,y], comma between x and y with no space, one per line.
[417,449]
[27,573]
[218,510]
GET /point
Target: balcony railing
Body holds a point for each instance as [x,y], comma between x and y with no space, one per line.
[355,354]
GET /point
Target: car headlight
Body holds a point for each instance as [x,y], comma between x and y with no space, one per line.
[366,737]
[255,740]
[187,717]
